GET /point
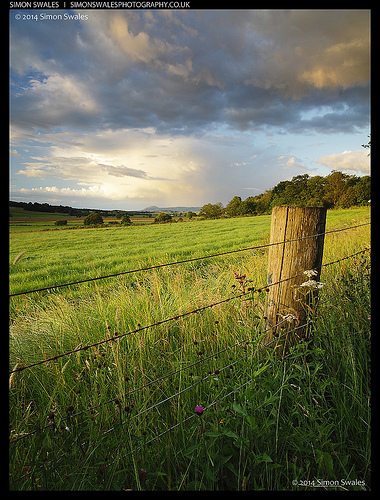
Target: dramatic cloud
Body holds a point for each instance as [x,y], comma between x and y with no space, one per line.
[157,98]
[309,49]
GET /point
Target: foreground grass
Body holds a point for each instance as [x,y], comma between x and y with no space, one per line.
[267,422]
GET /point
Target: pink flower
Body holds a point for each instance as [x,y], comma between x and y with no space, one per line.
[199,410]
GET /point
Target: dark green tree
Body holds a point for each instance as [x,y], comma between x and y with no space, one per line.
[336,189]
[211,211]
[248,206]
[348,198]
[93,219]
[126,220]
[336,183]
[363,190]
[233,207]
[162,218]
[264,202]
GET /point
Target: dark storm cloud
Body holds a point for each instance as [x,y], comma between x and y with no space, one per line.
[190,72]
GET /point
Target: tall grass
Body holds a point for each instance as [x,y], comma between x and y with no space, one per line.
[268,424]
[75,255]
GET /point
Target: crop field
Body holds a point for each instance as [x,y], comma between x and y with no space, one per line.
[119,415]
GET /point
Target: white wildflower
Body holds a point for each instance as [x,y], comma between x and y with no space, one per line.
[313,284]
[310,273]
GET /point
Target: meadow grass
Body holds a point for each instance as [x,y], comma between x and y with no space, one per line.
[54,257]
[268,424]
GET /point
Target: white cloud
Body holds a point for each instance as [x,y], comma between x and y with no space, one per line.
[139,165]
[287,161]
[123,164]
[349,161]
[237,164]
[90,192]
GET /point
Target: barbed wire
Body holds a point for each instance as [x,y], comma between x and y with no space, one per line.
[205,378]
[171,397]
[148,384]
[173,318]
[174,372]
[119,336]
[229,365]
[218,400]
[199,361]
[193,259]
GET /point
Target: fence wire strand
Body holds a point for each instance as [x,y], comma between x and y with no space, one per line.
[173,318]
[199,309]
[187,366]
[157,266]
[159,379]
[259,347]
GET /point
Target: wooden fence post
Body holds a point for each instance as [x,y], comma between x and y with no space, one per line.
[286,299]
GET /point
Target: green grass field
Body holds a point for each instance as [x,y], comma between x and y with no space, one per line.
[268,424]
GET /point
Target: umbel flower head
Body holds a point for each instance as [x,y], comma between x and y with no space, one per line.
[199,409]
[312,284]
[310,272]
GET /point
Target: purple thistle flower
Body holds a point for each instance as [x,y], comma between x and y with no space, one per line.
[199,410]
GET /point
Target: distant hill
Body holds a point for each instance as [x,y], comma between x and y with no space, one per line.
[82,212]
[153,208]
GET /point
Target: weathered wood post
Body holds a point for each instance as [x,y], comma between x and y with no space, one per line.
[286,301]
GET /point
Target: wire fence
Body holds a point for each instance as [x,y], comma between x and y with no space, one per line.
[172,318]
[259,348]
[177,262]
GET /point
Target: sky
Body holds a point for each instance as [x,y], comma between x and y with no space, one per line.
[129,108]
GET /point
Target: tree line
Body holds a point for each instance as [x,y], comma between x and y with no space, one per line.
[77,212]
[336,190]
